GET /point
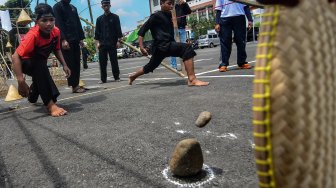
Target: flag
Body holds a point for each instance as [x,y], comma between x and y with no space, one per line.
[5,20]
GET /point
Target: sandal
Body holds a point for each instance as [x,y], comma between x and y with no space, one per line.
[78,90]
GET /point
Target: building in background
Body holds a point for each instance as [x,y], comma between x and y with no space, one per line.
[202,9]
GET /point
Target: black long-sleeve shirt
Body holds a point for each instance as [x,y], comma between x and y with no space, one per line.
[161,26]
[182,10]
[108,29]
[67,20]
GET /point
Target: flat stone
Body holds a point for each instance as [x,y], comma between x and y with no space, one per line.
[203,119]
[187,158]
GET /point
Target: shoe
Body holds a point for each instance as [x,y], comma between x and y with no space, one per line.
[222,69]
[78,90]
[101,82]
[245,66]
[117,80]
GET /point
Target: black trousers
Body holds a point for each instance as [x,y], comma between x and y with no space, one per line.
[72,58]
[175,49]
[237,25]
[85,65]
[112,52]
[43,83]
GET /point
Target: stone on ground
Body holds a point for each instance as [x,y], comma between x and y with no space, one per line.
[203,119]
[187,158]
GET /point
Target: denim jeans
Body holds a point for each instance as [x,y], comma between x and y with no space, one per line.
[183,38]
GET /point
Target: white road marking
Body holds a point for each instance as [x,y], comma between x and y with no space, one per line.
[181,131]
[252,144]
[230,136]
[198,60]
[215,70]
[206,168]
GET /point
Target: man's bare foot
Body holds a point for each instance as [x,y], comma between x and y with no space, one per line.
[131,78]
[56,111]
[196,82]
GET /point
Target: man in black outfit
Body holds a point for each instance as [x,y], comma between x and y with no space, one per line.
[72,35]
[107,34]
[182,10]
[161,26]
[85,55]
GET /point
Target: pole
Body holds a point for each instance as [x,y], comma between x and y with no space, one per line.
[90,10]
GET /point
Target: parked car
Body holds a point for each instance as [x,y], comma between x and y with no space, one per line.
[209,40]
[121,53]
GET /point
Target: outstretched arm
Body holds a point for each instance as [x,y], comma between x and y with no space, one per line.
[142,49]
[59,56]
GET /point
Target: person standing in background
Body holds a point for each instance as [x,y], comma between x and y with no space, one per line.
[85,55]
[230,17]
[182,10]
[72,35]
[107,36]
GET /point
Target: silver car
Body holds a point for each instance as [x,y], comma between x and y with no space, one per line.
[209,40]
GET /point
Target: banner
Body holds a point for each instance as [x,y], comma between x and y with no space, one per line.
[5,20]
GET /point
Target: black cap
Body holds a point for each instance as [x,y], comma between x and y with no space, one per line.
[43,10]
[105,2]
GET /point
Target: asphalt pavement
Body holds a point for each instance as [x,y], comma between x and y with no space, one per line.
[116,135]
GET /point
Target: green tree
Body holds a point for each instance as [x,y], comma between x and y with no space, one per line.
[200,27]
[90,45]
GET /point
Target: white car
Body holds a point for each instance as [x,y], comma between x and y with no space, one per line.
[121,52]
[209,40]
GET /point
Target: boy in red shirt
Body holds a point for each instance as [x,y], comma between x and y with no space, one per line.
[31,58]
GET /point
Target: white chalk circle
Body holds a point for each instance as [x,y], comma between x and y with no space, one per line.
[204,177]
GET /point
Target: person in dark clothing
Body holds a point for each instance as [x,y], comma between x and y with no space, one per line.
[72,35]
[85,55]
[231,18]
[161,26]
[182,9]
[107,35]
[31,58]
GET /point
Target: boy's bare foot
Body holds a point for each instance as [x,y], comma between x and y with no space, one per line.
[131,78]
[56,111]
[196,82]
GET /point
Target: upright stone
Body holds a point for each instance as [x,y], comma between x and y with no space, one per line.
[187,158]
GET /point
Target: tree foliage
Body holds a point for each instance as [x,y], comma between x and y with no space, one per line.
[90,45]
[14,14]
[200,27]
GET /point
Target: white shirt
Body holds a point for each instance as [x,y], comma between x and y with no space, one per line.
[229,8]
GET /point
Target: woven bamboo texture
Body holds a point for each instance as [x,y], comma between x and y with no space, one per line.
[3,86]
[58,76]
[294,102]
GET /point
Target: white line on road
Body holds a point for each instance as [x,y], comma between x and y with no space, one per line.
[217,69]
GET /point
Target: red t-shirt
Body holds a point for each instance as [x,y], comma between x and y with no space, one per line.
[33,38]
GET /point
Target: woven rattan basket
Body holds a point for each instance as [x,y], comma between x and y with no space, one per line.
[58,76]
[3,86]
[295,96]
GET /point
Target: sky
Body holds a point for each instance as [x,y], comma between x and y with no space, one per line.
[129,11]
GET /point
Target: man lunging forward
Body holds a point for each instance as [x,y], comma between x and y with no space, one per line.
[164,45]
